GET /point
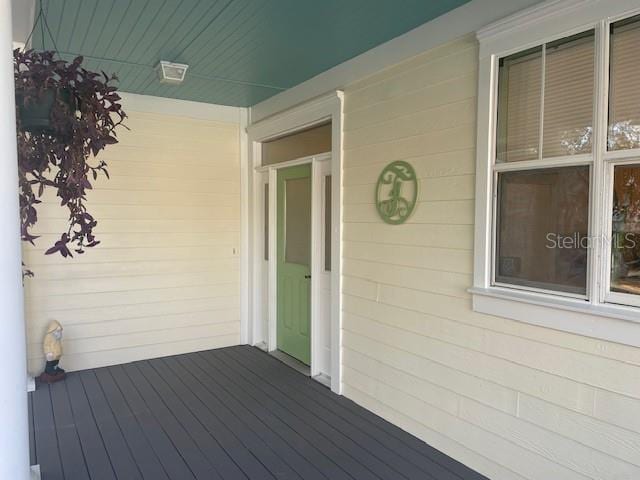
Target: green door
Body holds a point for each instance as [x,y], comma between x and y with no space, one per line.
[294,262]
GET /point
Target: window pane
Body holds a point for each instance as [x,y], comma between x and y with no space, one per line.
[542,228]
[519,91]
[297,233]
[327,223]
[568,96]
[624,100]
[625,237]
[266,221]
[308,142]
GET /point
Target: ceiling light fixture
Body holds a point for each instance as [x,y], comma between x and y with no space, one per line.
[171,73]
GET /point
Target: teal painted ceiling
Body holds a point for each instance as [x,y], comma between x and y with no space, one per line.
[239,52]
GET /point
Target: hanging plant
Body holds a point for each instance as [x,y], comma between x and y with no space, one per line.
[65,116]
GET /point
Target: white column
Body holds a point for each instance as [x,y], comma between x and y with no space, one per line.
[14,431]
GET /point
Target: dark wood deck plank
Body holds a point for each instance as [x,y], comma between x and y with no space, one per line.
[287,431]
[210,445]
[314,430]
[180,436]
[167,454]
[240,442]
[403,443]
[324,409]
[68,439]
[121,459]
[46,448]
[361,449]
[390,431]
[332,459]
[234,413]
[149,464]
[95,453]
[301,389]
[295,450]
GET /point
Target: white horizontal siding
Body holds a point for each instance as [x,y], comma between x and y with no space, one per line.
[513,400]
[165,277]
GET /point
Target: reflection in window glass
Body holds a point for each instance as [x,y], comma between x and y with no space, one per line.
[327,223]
[568,95]
[519,92]
[624,100]
[542,229]
[625,235]
[297,221]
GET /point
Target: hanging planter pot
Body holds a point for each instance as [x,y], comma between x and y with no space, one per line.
[36,111]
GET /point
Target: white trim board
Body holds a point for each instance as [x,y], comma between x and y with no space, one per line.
[183,108]
[294,162]
[313,111]
[548,21]
[458,22]
[246,283]
[319,110]
[614,323]
[35,472]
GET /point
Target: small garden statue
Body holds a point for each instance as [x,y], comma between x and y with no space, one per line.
[52,347]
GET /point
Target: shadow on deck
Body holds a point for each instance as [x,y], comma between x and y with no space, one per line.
[231,413]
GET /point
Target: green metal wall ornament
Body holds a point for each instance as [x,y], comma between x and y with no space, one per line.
[396,192]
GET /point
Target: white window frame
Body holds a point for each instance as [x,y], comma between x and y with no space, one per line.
[600,313]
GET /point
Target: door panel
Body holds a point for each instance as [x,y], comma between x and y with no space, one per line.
[294,262]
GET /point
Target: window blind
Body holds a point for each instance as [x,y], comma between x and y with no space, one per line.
[520,88]
[568,69]
[624,89]
[568,96]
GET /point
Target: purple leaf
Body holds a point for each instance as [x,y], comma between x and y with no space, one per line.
[84,118]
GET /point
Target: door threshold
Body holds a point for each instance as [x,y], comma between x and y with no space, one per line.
[323,379]
[291,362]
[262,346]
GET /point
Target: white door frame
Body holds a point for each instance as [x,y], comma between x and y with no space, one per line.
[316,266]
[321,110]
[320,278]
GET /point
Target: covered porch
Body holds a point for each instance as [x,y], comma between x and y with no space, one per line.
[230,413]
[156,385]
[323,249]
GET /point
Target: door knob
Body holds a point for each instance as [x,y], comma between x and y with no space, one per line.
[307,276]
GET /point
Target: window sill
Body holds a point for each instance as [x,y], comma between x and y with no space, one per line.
[614,323]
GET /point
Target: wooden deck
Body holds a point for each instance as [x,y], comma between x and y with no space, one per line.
[232,413]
